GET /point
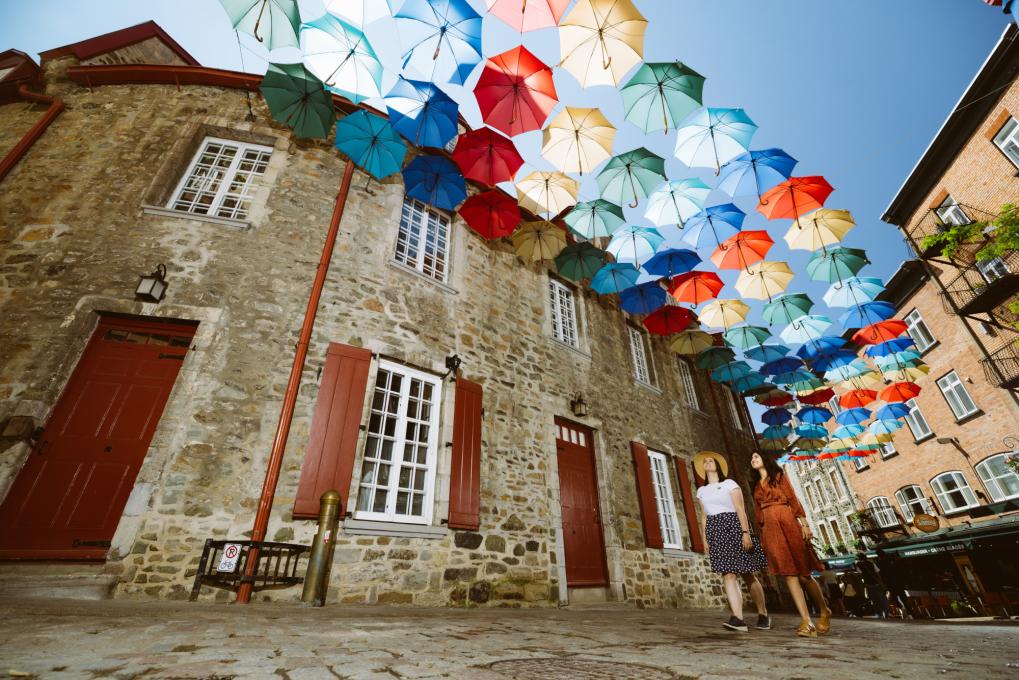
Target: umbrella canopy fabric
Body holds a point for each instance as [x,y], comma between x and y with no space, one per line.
[782,365]
[890,347]
[764,280]
[677,201]
[730,371]
[777,431]
[360,13]
[435,180]
[614,278]
[805,328]
[493,214]
[880,332]
[538,241]
[830,360]
[720,221]
[578,261]
[776,416]
[642,299]
[853,416]
[659,96]
[899,392]
[710,137]
[853,291]
[547,193]
[775,397]
[671,261]
[785,309]
[820,346]
[371,142]
[724,313]
[857,397]
[486,156]
[601,40]
[691,342]
[744,337]
[443,38]
[695,287]
[880,427]
[816,397]
[595,219]
[422,113]
[713,357]
[746,384]
[515,92]
[274,23]
[340,55]
[819,229]
[296,98]
[893,411]
[836,264]
[668,320]
[848,431]
[528,15]
[812,431]
[794,197]
[754,172]
[634,244]
[767,353]
[867,313]
[577,140]
[631,176]
[815,415]
[741,250]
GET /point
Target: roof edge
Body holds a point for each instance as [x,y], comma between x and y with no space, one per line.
[115,40]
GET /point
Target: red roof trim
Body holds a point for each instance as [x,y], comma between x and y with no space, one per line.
[108,42]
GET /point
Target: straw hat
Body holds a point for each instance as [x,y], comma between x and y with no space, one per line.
[698,463]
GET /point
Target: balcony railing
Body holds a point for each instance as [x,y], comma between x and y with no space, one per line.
[932,223]
[976,292]
[1002,366]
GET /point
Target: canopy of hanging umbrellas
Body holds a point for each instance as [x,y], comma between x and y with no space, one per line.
[824,400]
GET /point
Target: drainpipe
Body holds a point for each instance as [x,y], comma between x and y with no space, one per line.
[28,139]
[279,443]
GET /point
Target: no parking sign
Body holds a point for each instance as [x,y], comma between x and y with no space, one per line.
[228,562]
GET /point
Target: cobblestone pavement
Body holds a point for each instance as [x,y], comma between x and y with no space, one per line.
[131,639]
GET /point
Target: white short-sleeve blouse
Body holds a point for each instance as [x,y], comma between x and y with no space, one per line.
[716,498]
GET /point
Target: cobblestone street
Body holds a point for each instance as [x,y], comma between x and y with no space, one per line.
[129,639]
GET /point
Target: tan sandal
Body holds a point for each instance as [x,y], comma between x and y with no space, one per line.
[824,622]
[807,630]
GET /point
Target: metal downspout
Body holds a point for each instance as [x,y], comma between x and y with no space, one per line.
[56,105]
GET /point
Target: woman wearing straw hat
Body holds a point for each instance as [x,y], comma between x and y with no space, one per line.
[732,547]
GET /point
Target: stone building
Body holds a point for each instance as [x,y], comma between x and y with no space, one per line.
[147,425]
[829,502]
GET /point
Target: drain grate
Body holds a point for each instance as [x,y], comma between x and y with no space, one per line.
[557,668]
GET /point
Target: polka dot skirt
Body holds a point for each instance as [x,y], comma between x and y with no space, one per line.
[725,546]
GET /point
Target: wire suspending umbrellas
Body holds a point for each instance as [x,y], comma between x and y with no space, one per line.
[595,219]
[274,23]
[754,172]
[601,40]
[444,38]
[577,140]
[711,137]
[340,55]
[677,201]
[547,193]
[659,96]
[515,92]
[422,113]
[296,98]
[528,15]
[631,176]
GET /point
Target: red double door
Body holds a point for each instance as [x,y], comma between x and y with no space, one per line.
[69,496]
[583,540]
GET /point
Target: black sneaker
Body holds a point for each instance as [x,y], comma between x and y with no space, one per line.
[736,624]
[763,622]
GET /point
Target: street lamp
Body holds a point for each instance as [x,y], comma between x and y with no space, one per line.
[152,287]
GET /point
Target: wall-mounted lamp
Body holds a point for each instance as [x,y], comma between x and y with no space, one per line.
[152,287]
[452,365]
[578,406]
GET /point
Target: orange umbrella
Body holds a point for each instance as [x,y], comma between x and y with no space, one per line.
[695,287]
[880,332]
[741,250]
[857,398]
[794,197]
[900,391]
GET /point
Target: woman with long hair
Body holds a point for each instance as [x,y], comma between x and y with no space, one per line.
[732,547]
[785,535]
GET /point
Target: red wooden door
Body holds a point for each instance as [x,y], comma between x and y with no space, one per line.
[578,494]
[69,496]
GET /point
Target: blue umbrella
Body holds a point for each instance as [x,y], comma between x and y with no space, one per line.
[371,142]
[853,416]
[748,382]
[614,278]
[812,431]
[853,291]
[795,376]
[776,416]
[848,431]
[435,180]
[830,360]
[783,365]
[643,299]
[766,353]
[777,431]
[422,113]
[882,349]
[744,337]
[814,415]
[721,221]
[892,411]
[754,172]
[730,371]
[672,261]
[820,346]
[884,426]
[866,313]
[847,371]
[444,38]
[805,328]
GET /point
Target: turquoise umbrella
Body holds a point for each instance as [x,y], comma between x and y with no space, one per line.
[884,426]
[614,278]
[659,96]
[712,137]
[777,432]
[274,23]
[847,431]
[785,309]
[634,244]
[745,337]
[748,383]
[677,201]
[594,219]
[579,261]
[766,353]
[730,371]
[342,57]
[713,357]
[631,176]
[853,291]
[371,142]
[836,264]
[805,328]
[297,99]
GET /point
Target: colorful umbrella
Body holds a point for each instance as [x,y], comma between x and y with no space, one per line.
[880,332]
[600,40]
[371,142]
[748,383]
[493,214]
[341,56]
[867,313]
[900,391]
[634,244]
[515,91]
[907,373]
[528,15]
[890,347]
[785,309]
[767,353]
[781,365]
[744,337]
[547,193]
[711,137]
[444,38]
[836,264]
[775,397]
[805,328]
[893,411]
[817,396]
[658,96]
[642,299]
[486,156]
[777,432]
[819,229]
[775,446]
[741,250]
[754,172]
[435,180]
[297,99]
[577,140]
[764,280]
[820,346]
[540,240]
[721,221]
[672,261]
[695,287]
[853,291]
[360,13]
[794,197]
[815,415]
[614,278]
[776,416]
[812,431]
[422,113]
[853,416]
[668,320]
[713,357]
[274,23]
[677,201]
[594,219]
[730,371]
[857,397]
[578,261]
[833,359]
[630,177]
[848,431]
[724,313]
[691,342]
[879,427]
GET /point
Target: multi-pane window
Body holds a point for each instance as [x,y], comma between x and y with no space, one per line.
[689,386]
[953,492]
[397,476]
[564,313]
[664,500]
[1007,140]
[887,449]
[917,423]
[824,534]
[836,532]
[815,504]
[918,330]
[423,242]
[840,490]
[951,213]
[834,406]
[860,463]
[733,408]
[993,269]
[1001,481]
[882,511]
[221,179]
[956,395]
[641,370]
[912,502]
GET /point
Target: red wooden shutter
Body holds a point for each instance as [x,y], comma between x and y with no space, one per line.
[696,541]
[465,471]
[646,495]
[329,460]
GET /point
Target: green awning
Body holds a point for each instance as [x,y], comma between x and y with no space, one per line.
[928,548]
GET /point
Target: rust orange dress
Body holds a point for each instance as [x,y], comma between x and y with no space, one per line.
[777,509]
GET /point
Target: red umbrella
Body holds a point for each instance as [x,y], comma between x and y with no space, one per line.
[818,396]
[486,156]
[668,320]
[493,214]
[854,398]
[695,287]
[741,250]
[858,454]
[900,391]
[880,332]
[800,458]
[515,92]
[528,15]
[794,197]
[775,397]
[827,455]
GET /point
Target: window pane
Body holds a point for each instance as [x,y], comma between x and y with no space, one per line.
[640,367]
[917,423]
[423,239]
[663,499]
[221,179]
[999,479]
[917,329]
[953,491]
[883,513]
[1007,140]
[993,269]
[564,317]
[689,386]
[956,395]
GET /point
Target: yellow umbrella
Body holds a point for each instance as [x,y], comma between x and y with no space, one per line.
[820,228]
[864,381]
[691,342]
[600,40]
[541,240]
[763,280]
[723,313]
[577,140]
[547,193]
[907,373]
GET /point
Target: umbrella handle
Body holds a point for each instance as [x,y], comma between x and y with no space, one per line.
[604,53]
[259,21]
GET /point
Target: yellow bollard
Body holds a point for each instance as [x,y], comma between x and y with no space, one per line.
[320,562]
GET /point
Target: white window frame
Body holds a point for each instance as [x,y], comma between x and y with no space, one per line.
[887,449]
[993,269]
[812,496]
[919,331]
[840,488]
[834,406]
[961,485]
[883,512]
[952,214]
[564,313]
[1007,140]
[914,419]
[639,354]
[957,396]
[423,227]
[907,503]
[686,377]
[665,502]
[860,463]
[991,478]
[200,183]
[399,438]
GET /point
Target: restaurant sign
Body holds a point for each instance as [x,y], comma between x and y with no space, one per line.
[933,549]
[926,523]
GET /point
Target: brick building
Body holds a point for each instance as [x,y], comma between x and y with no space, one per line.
[586,422]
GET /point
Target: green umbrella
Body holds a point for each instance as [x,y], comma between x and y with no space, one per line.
[659,96]
[745,337]
[274,23]
[787,308]
[579,261]
[804,385]
[592,219]
[713,357]
[298,99]
[836,264]
[631,176]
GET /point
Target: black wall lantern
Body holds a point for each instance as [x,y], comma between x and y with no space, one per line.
[152,287]
[453,364]
[578,406]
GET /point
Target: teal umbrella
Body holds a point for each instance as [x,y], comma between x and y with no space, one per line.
[677,201]
[342,57]
[748,383]
[371,142]
[836,264]
[713,357]
[297,99]
[634,244]
[631,176]
[766,353]
[579,261]
[805,328]
[745,337]
[658,96]
[594,219]
[787,308]
[274,23]
[730,371]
